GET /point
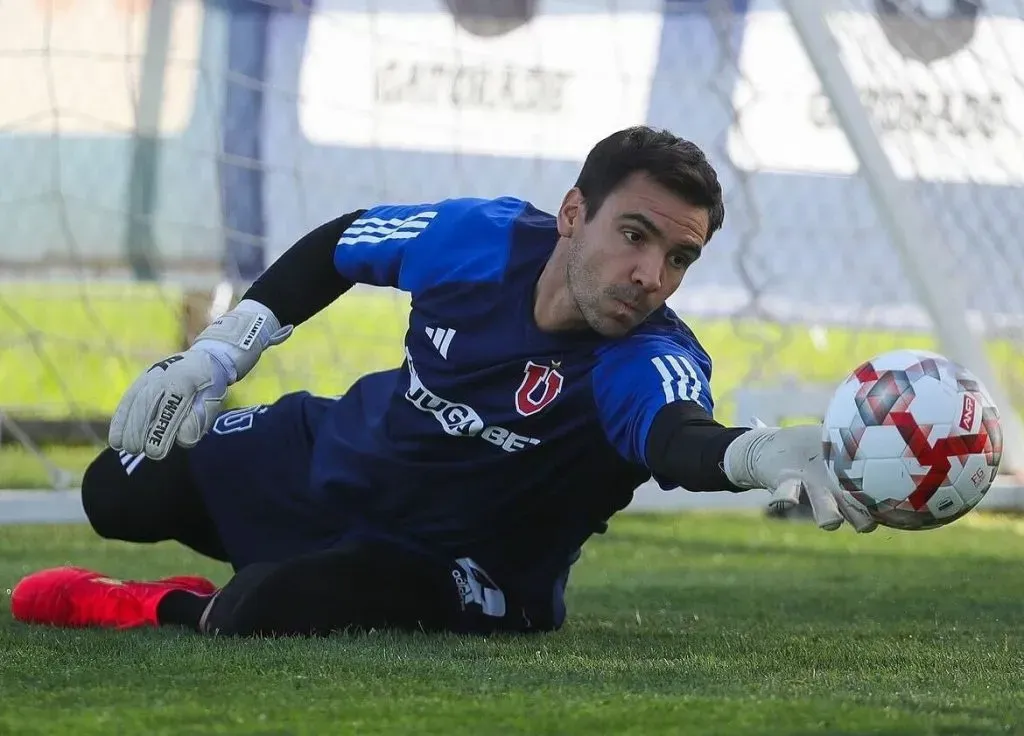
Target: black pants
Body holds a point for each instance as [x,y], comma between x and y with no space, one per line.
[144,501]
[369,584]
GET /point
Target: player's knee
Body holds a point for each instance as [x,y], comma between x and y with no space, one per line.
[102,488]
[123,502]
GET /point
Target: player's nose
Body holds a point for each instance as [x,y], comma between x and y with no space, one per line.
[647,274]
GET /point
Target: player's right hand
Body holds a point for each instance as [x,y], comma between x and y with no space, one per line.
[178,399]
[786,461]
[175,401]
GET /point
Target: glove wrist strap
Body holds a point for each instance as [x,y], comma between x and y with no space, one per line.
[740,461]
[237,338]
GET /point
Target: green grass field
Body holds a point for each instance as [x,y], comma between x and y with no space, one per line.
[690,624]
[71,351]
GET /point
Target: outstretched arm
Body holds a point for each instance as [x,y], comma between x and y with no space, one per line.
[687,446]
[654,397]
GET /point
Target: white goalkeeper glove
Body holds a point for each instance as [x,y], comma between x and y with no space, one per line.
[178,399]
[786,460]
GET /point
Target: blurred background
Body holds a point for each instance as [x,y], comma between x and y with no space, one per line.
[157,155]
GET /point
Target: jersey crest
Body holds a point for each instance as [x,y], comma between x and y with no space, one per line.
[540,386]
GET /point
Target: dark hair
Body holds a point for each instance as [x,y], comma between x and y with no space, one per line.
[673,162]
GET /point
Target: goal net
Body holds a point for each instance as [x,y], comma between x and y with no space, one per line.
[156,155]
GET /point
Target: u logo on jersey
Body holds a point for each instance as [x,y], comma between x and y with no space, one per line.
[539,388]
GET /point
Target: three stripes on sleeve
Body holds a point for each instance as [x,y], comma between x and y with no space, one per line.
[374,230]
[679,379]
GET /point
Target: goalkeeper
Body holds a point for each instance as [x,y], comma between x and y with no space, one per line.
[544,380]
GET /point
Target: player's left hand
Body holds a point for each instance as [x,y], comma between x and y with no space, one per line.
[786,461]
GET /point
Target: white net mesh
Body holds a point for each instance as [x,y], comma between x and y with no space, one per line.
[152,150]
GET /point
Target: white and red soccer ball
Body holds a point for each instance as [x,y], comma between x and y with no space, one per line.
[913,438]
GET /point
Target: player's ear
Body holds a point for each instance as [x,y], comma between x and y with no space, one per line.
[570,214]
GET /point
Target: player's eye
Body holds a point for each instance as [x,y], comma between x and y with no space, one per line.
[677,260]
[633,236]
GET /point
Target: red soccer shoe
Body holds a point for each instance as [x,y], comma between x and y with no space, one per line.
[74,597]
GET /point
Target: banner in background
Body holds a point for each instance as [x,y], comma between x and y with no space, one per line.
[411,78]
[948,94]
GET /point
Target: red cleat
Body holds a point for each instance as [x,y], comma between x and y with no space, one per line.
[74,597]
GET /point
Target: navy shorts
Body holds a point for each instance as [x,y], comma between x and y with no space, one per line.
[253,472]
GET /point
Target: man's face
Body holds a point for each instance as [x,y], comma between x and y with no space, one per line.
[632,255]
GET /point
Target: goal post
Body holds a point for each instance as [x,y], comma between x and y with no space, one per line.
[928,261]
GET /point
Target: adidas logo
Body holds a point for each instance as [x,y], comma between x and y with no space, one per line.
[441,338]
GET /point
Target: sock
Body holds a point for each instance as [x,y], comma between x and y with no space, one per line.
[181,608]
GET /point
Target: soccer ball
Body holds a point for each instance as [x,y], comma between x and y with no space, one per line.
[913,438]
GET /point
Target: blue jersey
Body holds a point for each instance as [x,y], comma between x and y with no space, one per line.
[493,439]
